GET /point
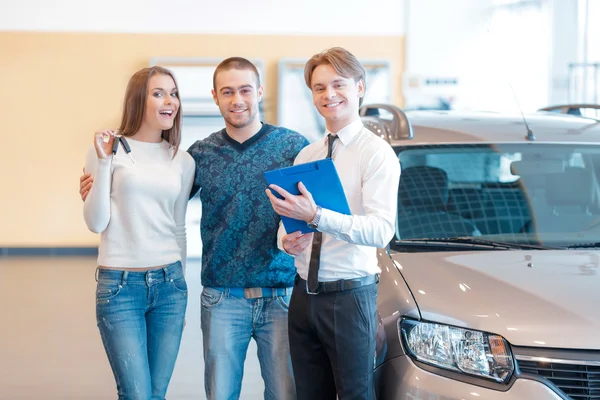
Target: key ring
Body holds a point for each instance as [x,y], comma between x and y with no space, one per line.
[121,139]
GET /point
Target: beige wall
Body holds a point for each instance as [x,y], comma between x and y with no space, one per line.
[57,88]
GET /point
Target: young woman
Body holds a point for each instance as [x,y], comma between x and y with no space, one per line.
[138,204]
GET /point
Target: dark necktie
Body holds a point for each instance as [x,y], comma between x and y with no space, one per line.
[315,253]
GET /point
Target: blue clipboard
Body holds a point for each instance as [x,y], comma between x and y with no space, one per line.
[321,180]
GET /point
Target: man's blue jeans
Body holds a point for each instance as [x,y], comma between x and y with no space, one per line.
[228,323]
[140,316]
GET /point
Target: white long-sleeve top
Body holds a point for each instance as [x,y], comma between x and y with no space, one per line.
[370,173]
[139,208]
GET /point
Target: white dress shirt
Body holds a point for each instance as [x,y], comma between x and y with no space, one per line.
[370,172]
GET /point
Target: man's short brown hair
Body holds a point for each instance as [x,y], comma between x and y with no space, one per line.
[342,61]
[235,63]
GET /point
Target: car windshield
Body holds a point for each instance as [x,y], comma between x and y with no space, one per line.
[528,193]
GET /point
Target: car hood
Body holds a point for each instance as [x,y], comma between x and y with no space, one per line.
[541,298]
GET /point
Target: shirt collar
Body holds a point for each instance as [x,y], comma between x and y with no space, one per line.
[347,133]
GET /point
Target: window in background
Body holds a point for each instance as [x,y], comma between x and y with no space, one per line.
[519,49]
[584,75]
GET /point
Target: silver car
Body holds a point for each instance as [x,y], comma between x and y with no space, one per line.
[491,287]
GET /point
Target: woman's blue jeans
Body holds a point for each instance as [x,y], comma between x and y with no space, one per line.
[140,316]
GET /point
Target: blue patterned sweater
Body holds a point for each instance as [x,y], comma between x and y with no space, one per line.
[238,225]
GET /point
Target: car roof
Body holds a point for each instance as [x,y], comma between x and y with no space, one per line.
[447,127]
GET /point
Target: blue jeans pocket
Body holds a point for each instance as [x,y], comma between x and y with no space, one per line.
[106,291]
[179,284]
[210,297]
[284,301]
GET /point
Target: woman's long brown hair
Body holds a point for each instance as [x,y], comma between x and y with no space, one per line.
[134,108]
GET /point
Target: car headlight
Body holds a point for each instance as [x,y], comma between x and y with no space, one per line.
[467,351]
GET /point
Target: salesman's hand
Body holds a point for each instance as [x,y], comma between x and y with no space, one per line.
[296,242]
[85,184]
[301,207]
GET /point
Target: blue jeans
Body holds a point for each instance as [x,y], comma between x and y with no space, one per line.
[228,323]
[140,316]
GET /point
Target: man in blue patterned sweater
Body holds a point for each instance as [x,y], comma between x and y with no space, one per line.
[246,279]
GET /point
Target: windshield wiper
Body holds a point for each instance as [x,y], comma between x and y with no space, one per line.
[590,245]
[467,240]
[522,246]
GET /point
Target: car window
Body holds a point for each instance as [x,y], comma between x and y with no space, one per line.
[466,165]
[522,193]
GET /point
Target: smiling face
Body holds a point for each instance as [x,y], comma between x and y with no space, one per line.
[162,103]
[237,94]
[336,97]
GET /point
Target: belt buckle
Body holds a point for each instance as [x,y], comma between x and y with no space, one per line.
[308,291]
[253,293]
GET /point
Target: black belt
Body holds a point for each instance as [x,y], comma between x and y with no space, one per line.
[340,285]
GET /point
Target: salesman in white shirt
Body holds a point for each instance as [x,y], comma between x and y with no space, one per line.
[332,314]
